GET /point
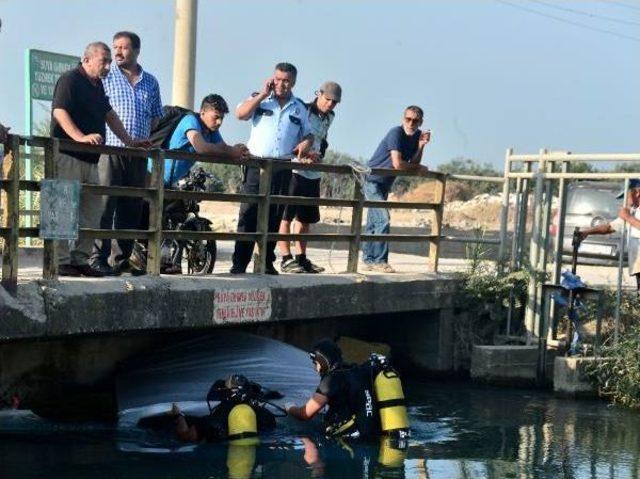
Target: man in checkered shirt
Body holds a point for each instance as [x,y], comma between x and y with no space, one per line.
[135,95]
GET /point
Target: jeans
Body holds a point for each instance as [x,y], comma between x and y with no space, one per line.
[377,223]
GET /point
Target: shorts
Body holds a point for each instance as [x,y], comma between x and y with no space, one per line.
[301,186]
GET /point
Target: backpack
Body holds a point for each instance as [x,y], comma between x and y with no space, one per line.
[171,116]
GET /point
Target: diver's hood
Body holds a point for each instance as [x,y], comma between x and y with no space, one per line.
[327,354]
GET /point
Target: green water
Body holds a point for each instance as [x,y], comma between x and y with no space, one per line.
[459,431]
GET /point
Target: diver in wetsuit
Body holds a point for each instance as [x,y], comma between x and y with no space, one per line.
[241,413]
[364,400]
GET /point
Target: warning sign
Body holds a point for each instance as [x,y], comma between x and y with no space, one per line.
[240,305]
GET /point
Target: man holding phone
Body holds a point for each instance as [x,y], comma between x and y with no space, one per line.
[279,129]
[400,149]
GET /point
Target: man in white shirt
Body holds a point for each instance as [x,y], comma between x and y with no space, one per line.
[280,130]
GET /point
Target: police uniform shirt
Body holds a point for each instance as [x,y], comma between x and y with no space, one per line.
[275,130]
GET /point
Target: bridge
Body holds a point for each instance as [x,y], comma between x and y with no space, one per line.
[63,338]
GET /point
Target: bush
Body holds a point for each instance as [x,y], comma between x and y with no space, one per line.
[617,377]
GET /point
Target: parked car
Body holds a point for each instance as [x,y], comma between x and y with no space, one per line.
[590,203]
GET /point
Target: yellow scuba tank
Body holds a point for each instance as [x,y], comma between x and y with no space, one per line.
[242,424]
[241,459]
[390,455]
[390,400]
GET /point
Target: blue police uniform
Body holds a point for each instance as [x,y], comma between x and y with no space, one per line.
[275,132]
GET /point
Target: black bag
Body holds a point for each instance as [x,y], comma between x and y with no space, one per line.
[171,116]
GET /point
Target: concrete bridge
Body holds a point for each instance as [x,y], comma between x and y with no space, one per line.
[61,341]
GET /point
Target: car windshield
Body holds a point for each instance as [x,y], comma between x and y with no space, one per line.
[594,202]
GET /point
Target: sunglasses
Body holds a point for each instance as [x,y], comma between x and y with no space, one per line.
[413,121]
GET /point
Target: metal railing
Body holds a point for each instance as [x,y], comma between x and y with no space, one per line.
[536,175]
[156,193]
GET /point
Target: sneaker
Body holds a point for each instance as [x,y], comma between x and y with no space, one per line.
[310,267]
[68,270]
[379,267]
[291,266]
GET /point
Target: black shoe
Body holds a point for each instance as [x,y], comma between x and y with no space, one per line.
[291,265]
[96,271]
[237,270]
[103,268]
[310,267]
[68,270]
[269,269]
[127,266]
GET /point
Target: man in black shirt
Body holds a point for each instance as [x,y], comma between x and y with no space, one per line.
[79,111]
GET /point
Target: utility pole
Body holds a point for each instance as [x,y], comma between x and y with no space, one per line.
[184,53]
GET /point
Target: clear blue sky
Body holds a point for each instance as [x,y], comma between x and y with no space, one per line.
[489,74]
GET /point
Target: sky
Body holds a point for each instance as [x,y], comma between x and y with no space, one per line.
[490,74]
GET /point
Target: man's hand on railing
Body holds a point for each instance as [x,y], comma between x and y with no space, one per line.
[92,139]
[140,144]
[309,157]
[240,152]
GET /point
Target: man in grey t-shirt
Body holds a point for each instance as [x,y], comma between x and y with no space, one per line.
[307,183]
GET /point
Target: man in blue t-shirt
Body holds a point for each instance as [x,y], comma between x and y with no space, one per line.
[400,149]
[199,134]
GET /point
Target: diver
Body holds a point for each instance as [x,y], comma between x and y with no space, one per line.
[240,416]
[364,400]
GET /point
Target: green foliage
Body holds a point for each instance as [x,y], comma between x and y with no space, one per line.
[485,297]
[228,178]
[463,190]
[338,185]
[617,376]
[627,167]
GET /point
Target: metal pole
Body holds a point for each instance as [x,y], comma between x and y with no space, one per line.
[559,244]
[28,166]
[504,213]
[616,328]
[534,252]
[184,53]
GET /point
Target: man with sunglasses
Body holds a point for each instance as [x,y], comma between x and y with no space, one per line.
[400,149]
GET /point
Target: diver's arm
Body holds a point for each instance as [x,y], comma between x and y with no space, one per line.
[313,406]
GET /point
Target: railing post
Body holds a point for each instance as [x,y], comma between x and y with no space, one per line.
[504,212]
[356,228]
[533,305]
[11,172]
[50,251]
[262,225]
[434,244]
[156,202]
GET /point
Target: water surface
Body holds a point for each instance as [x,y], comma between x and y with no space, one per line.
[459,431]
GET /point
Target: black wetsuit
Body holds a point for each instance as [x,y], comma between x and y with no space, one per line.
[351,400]
[215,427]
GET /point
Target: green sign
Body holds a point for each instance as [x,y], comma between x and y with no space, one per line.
[44,70]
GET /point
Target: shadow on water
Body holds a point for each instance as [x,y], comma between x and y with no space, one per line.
[459,431]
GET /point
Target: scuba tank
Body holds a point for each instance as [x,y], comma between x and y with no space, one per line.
[242,423]
[389,396]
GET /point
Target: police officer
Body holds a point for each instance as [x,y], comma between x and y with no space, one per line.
[279,129]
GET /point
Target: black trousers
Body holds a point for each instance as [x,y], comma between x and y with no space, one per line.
[120,212]
[248,216]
